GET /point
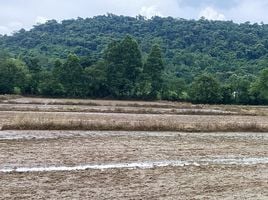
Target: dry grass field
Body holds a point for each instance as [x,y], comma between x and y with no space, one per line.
[98,149]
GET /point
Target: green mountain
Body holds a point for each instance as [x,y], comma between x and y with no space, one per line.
[189,47]
[232,54]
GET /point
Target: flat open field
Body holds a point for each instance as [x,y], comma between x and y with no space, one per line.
[93,164]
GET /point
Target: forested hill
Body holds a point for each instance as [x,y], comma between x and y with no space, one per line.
[231,54]
[189,45]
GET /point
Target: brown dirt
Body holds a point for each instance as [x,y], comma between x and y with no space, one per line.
[98,147]
[211,182]
[74,148]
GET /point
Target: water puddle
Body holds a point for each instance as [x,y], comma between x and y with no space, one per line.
[142,165]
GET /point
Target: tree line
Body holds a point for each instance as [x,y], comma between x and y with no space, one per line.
[121,73]
[124,72]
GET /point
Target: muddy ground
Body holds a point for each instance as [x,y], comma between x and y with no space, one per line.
[72,148]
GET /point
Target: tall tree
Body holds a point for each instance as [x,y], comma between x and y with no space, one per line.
[96,80]
[72,77]
[14,76]
[240,86]
[33,64]
[124,65]
[153,70]
[206,89]
[50,84]
[259,88]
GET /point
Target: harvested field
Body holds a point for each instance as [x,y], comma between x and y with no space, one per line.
[130,122]
[160,107]
[26,148]
[212,182]
[112,109]
[224,165]
[217,152]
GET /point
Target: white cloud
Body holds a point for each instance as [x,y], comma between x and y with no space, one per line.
[249,10]
[4,30]
[16,14]
[211,14]
[41,20]
[10,27]
[15,24]
[150,11]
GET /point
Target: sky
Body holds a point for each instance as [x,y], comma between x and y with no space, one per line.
[17,14]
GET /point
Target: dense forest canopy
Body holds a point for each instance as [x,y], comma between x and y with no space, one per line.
[126,57]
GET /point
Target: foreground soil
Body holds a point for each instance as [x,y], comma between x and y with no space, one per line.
[71,148]
[211,182]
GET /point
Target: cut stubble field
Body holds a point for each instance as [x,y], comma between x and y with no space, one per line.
[130,122]
[62,114]
[220,165]
[65,149]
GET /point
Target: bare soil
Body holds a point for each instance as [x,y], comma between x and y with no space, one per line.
[70,148]
[104,147]
[211,182]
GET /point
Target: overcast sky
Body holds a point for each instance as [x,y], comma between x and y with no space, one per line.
[16,14]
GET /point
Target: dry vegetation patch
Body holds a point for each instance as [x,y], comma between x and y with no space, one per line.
[128,122]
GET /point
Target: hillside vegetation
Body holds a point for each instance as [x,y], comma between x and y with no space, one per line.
[124,57]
